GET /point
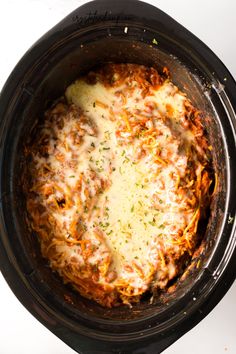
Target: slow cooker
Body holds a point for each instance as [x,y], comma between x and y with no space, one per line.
[118,31]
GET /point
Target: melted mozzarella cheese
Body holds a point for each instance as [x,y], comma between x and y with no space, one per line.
[119,195]
[131,223]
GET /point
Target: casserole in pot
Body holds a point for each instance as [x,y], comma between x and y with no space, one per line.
[69,50]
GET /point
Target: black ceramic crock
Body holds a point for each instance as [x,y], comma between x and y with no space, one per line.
[117,31]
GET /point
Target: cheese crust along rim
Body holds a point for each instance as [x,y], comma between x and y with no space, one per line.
[117,179]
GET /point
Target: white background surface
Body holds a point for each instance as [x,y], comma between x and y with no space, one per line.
[22,22]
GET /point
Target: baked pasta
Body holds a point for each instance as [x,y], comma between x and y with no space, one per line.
[118,176]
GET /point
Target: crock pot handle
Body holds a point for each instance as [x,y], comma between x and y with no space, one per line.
[97,11]
[153,345]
